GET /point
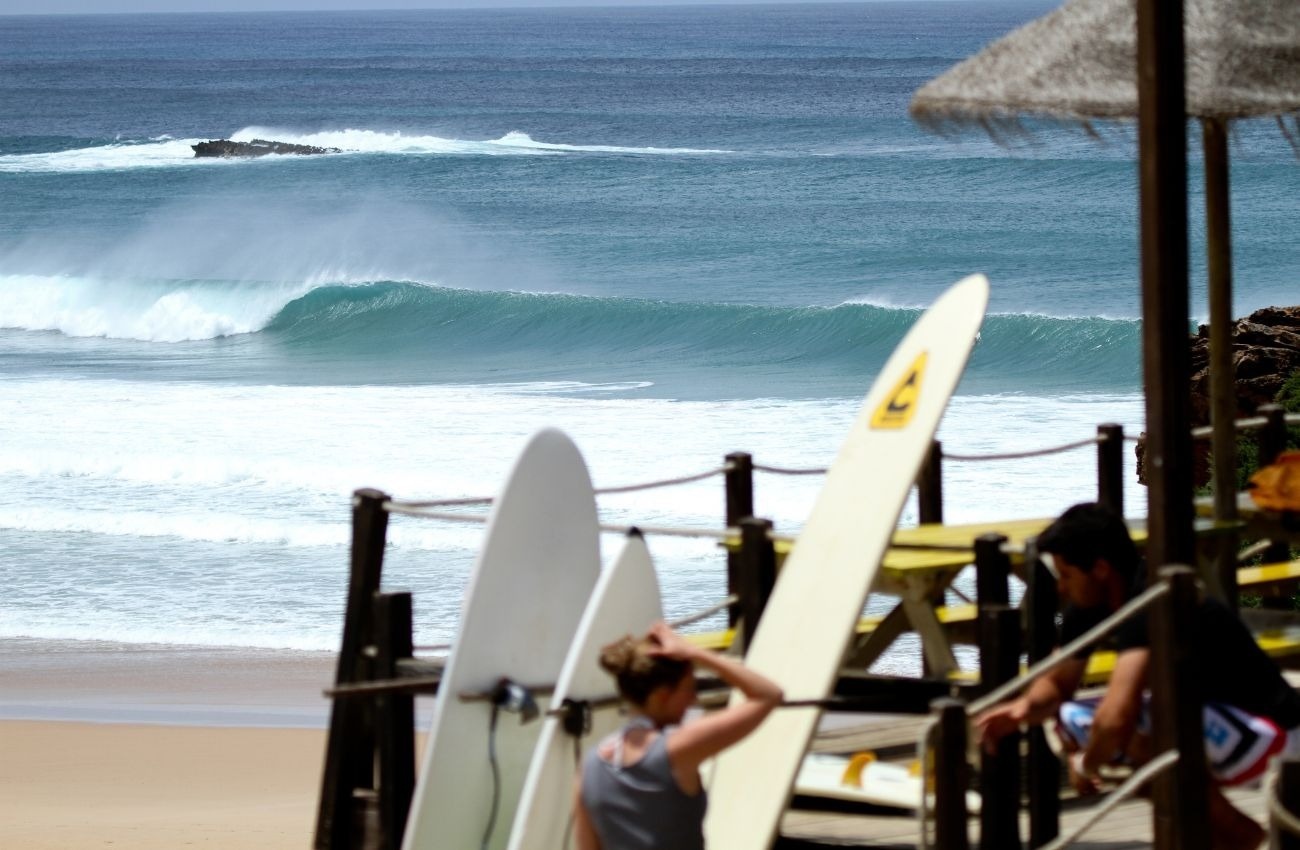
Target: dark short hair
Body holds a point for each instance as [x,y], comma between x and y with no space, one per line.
[1088,532]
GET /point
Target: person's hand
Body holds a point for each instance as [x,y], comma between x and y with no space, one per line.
[998,722]
[1084,783]
[666,643]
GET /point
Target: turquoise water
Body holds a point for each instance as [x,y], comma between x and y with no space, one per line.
[676,232]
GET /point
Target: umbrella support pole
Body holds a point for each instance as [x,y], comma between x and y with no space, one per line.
[1223,393]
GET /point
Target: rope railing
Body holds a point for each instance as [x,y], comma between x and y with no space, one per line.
[1064,655]
[468,501]
[664,482]
[718,534]
[421,508]
[680,622]
[1028,453]
[1134,606]
[1279,815]
[786,470]
[1123,792]
[1250,423]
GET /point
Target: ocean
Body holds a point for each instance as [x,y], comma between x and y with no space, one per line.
[673,232]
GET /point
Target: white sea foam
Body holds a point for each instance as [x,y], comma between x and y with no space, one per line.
[219,514]
[515,142]
[155,153]
[153,311]
[165,151]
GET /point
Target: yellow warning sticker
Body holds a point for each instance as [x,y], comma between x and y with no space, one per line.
[897,409]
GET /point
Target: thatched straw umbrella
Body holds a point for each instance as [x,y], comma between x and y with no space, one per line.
[1079,63]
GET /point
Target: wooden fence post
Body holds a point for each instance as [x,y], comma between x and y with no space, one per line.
[1043,768]
[394,718]
[1272,442]
[929,486]
[951,776]
[349,751]
[755,576]
[739,480]
[1272,437]
[1179,794]
[1110,467]
[999,778]
[992,569]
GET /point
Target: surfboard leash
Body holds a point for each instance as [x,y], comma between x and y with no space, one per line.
[496,774]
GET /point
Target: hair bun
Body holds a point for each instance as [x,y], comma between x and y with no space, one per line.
[619,657]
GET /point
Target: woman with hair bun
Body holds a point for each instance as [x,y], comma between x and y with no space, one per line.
[640,788]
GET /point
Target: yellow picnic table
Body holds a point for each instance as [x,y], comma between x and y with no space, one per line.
[918,576]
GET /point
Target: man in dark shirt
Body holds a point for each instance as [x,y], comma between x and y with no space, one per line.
[1251,713]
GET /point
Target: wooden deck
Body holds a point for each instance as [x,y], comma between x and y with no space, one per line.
[1126,828]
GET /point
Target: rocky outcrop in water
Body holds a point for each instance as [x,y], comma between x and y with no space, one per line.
[257,147]
[1265,352]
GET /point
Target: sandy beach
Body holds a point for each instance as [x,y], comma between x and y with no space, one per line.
[105,745]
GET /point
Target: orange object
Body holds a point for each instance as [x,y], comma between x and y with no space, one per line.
[1276,487]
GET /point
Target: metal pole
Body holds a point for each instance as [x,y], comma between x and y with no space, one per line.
[1223,384]
[1162,144]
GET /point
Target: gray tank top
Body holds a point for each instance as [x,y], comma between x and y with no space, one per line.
[641,806]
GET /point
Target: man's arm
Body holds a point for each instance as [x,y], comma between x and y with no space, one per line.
[1039,702]
[1117,713]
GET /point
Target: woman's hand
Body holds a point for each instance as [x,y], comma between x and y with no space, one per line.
[666,643]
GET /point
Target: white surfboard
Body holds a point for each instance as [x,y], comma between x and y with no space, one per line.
[861,779]
[625,601]
[529,587]
[823,585]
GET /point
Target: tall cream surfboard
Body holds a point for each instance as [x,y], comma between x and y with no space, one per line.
[824,583]
[625,601]
[529,587]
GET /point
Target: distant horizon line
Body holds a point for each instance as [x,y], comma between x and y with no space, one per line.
[466,5]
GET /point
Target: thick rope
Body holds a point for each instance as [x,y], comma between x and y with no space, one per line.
[1279,814]
[440,503]
[721,534]
[1130,786]
[1067,447]
[706,613]
[664,482]
[1259,547]
[787,470]
[600,491]
[402,509]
